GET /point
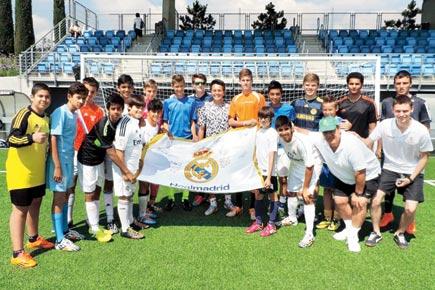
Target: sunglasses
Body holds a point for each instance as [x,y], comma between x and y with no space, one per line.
[199,83]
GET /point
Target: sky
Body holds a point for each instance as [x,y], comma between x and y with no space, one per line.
[42,9]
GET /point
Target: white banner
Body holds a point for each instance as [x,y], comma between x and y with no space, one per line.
[218,164]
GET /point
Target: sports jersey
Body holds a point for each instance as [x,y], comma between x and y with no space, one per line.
[214,117]
[266,141]
[63,124]
[25,163]
[284,109]
[179,113]
[360,113]
[246,107]
[93,149]
[199,102]
[308,113]
[420,110]
[149,131]
[402,150]
[87,116]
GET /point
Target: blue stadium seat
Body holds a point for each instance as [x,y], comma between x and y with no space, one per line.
[74,48]
[411,41]
[97,48]
[354,49]
[375,49]
[115,40]
[55,68]
[110,33]
[108,68]
[94,68]
[390,41]
[87,34]
[342,49]
[363,33]
[98,33]
[103,40]
[408,49]
[428,70]
[67,68]
[61,48]
[120,34]
[386,49]
[42,67]
[420,49]
[292,49]
[109,48]
[69,41]
[80,41]
[398,49]
[132,34]
[393,33]
[92,40]
[430,49]
[64,57]
[75,58]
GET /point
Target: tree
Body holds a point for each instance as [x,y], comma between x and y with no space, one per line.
[270,20]
[24,34]
[408,20]
[198,19]
[58,11]
[7,27]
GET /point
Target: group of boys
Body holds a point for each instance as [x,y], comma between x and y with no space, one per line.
[292,156]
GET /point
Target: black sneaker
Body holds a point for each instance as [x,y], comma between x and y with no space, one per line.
[373,239]
[401,241]
[187,205]
[170,205]
[132,234]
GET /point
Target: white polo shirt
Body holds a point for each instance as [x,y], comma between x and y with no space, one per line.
[402,150]
[351,155]
[266,141]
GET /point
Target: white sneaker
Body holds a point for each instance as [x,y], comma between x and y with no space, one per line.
[306,241]
[211,209]
[341,236]
[353,245]
[67,245]
[288,221]
[73,235]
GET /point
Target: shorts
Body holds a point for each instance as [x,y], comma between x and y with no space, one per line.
[25,196]
[91,176]
[67,173]
[108,173]
[76,170]
[326,178]
[295,180]
[273,186]
[413,191]
[344,189]
[122,187]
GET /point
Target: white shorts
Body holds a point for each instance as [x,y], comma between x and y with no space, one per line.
[91,176]
[76,170]
[108,173]
[295,180]
[122,187]
[282,163]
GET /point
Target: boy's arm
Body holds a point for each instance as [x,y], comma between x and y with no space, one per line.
[201,132]
[271,162]
[194,133]
[307,180]
[18,137]
[57,175]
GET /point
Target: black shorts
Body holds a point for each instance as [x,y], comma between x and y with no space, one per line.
[344,189]
[273,186]
[25,196]
[413,191]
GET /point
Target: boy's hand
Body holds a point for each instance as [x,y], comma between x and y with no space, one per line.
[57,175]
[39,137]
[345,125]
[307,196]
[267,182]
[130,177]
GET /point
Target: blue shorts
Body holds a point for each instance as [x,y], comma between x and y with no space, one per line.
[326,178]
[67,173]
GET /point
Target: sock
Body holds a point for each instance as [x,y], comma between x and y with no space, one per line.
[228,198]
[143,202]
[92,213]
[259,211]
[282,201]
[348,224]
[17,253]
[213,201]
[123,206]
[33,239]
[273,212]
[292,203]
[130,212]
[65,217]
[327,214]
[108,201]
[309,213]
[353,232]
[252,203]
[58,226]
[71,199]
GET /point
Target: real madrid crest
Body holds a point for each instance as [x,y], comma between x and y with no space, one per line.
[202,168]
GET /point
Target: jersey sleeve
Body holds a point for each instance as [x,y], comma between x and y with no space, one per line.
[165,111]
[121,137]
[307,151]
[273,141]
[17,136]
[372,118]
[56,122]
[291,113]
[104,134]
[426,143]
[424,116]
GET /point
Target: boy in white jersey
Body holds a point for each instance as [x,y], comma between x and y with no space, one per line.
[128,145]
[302,177]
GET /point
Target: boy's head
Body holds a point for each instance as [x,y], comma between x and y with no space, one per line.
[265,116]
[125,86]
[245,78]
[92,85]
[217,88]
[402,82]
[150,89]
[178,85]
[284,127]
[115,107]
[198,82]
[77,94]
[275,92]
[40,97]
[155,108]
[402,109]
[135,106]
[311,83]
[137,15]
[329,106]
[355,81]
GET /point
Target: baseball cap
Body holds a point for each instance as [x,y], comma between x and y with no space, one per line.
[328,124]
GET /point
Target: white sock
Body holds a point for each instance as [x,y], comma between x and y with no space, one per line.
[71,199]
[123,206]
[228,198]
[213,201]
[348,224]
[92,213]
[130,212]
[353,232]
[282,199]
[292,204]
[143,202]
[310,213]
[108,202]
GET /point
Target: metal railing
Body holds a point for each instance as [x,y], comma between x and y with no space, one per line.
[80,12]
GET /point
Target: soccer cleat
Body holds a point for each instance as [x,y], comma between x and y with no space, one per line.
[111,226]
[73,235]
[353,245]
[103,236]
[268,230]
[411,229]
[288,221]
[252,214]
[146,219]
[40,243]
[198,200]
[341,236]
[132,234]
[401,241]
[306,241]
[373,239]
[324,224]
[67,246]
[211,209]
[169,205]
[187,205]
[235,211]
[24,260]
[386,220]
[137,225]
[254,227]
[334,225]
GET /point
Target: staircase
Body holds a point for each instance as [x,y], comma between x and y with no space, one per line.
[309,44]
[146,44]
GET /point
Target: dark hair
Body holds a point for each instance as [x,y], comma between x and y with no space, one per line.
[199,76]
[401,100]
[136,100]
[402,74]
[355,75]
[266,112]
[115,99]
[282,121]
[155,105]
[328,99]
[137,14]
[217,82]
[77,88]
[125,79]
[92,82]
[39,87]
[274,85]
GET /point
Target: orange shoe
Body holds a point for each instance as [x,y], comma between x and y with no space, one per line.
[40,243]
[24,260]
[235,211]
[412,228]
[387,219]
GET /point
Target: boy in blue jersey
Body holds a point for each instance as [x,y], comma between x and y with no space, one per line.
[178,120]
[60,164]
[280,109]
